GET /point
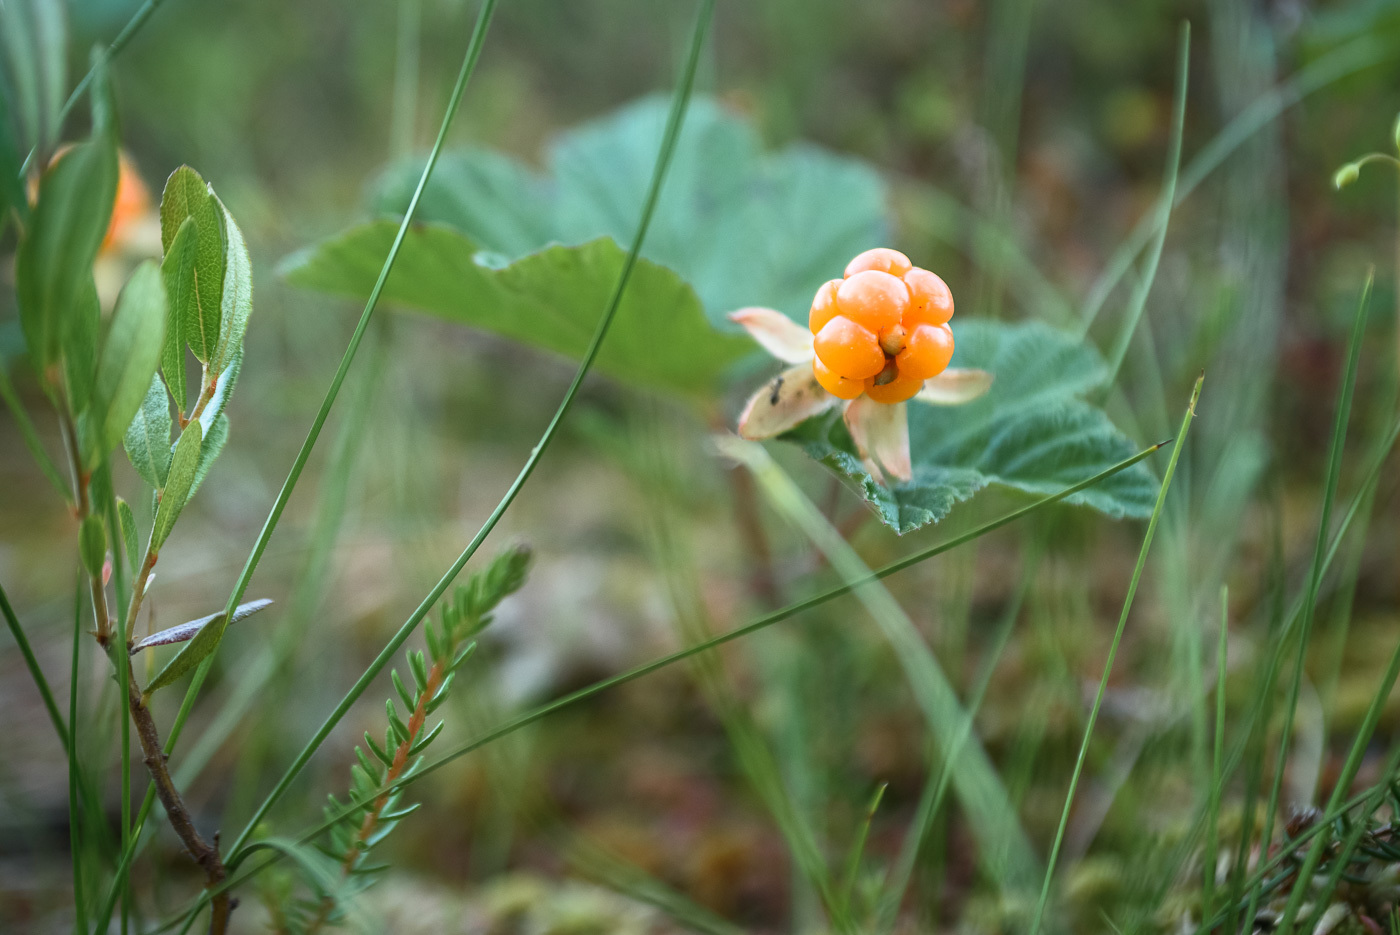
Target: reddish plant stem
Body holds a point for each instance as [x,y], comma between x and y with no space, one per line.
[400,762]
[203,853]
[415,727]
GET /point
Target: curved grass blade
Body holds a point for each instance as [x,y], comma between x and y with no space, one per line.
[36,673]
[761,623]
[1356,56]
[673,125]
[1003,847]
[469,61]
[1138,301]
[637,672]
[1112,652]
[1334,470]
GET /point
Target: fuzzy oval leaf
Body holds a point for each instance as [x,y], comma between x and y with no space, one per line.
[1032,431]
[183,465]
[53,265]
[147,439]
[130,355]
[177,269]
[236,299]
[552,299]
[187,197]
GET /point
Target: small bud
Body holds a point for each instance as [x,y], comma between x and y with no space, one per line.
[1346,175]
[1395,132]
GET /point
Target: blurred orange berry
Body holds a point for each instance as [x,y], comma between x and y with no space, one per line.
[927,353]
[897,390]
[873,299]
[848,349]
[882,259]
[838,386]
[132,205]
[930,301]
[823,306]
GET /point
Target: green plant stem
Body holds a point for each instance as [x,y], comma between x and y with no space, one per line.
[761,623]
[31,437]
[75,842]
[36,673]
[1112,652]
[133,25]
[1334,470]
[1138,302]
[123,677]
[679,104]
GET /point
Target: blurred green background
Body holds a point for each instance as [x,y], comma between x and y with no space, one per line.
[1047,122]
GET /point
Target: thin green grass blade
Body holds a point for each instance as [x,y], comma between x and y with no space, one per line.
[32,664]
[777,787]
[637,672]
[119,576]
[31,437]
[1002,844]
[1348,774]
[1217,778]
[767,620]
[132,27]
[1368,808]
[1334,470]
[74,803]
[1112,652]
[1355,56]
[474,46]
[1138,301]
[931,798]
[857,853]
[1248,748]
[469,61]
[679,104]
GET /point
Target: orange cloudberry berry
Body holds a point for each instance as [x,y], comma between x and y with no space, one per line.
[848,349]
[930,301]
[890,386]
[873,299]
[835,384]
[927,353]
[823,306]
[880,258]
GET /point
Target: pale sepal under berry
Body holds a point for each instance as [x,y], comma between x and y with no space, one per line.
[955,386]
[881,435]
[790,398]
[776,333]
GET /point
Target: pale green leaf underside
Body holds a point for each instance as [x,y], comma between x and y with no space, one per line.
[1031,432]
[740,226]
[148,436]
[551,299]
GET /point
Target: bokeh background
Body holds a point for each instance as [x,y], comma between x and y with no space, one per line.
[636,811]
